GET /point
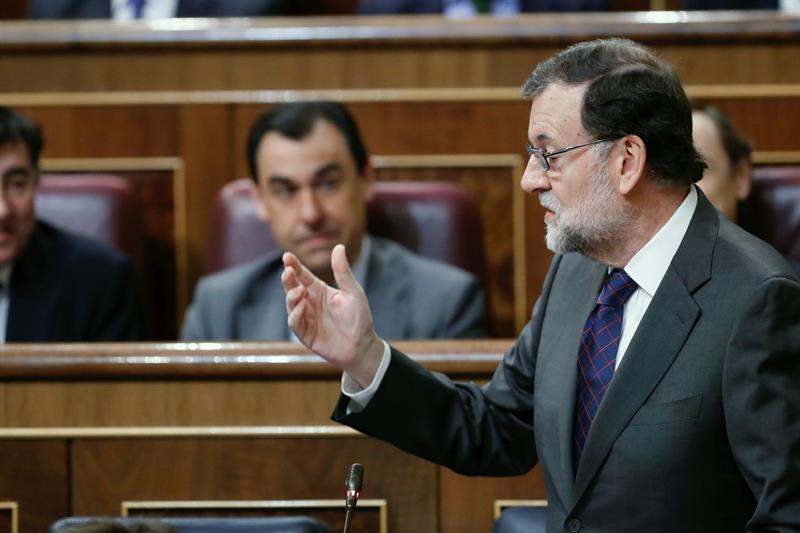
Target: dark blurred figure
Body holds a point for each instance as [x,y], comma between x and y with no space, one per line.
[54,286]
[152,9]
[729,4]
[460,8]
[110,525]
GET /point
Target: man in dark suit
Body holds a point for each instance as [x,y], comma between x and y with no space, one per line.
[54,286]
[656,382]
[104,9]
[313,181]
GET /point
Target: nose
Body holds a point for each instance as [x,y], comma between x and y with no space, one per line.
[534,179]
[4,210]
[310,208]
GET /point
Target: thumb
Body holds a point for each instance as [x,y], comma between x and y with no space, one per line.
[341,270]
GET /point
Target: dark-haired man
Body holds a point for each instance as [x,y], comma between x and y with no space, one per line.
[656,382]
[313,181]
[54,286]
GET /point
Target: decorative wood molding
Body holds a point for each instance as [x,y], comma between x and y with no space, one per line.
[12,508]
[502,505]
[789,157]
[269,432]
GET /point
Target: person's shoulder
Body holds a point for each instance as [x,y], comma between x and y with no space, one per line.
[745,256]
[241,277]
[421,269]
[77,250]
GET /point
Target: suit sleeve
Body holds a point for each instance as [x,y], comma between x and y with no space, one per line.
[761,395]
[472,430]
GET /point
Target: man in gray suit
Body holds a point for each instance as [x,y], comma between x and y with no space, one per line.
[314,180]
[657,381]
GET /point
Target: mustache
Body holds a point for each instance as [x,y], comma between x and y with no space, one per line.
[548,201]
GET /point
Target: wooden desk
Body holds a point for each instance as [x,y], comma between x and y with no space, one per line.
[377,52]
[85,428]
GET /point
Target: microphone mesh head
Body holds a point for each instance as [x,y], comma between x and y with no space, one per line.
[355,477]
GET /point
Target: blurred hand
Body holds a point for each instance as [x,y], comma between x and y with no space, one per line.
[335,323]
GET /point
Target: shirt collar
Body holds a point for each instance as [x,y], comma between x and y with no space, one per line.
[360,265]
[648,267]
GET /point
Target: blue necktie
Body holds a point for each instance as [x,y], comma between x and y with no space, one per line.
[598,351]
[138,7]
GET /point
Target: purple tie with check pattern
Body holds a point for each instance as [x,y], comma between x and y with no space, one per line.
[598,351]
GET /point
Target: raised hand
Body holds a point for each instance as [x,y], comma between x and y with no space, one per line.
[335,323]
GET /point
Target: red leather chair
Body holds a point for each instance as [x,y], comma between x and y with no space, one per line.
[98,206]
[434,219]
[772,211]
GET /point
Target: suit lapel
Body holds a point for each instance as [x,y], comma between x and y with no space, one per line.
[32,291]
[579,282]
[662,332]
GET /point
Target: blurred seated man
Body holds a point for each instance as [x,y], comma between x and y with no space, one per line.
[727,179]
[152,9]
[313,181]
[54,286]
[465,8]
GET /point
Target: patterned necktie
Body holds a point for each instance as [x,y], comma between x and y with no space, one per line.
[598,351]
[138,8]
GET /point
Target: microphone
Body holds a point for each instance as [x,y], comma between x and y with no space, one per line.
[353,482]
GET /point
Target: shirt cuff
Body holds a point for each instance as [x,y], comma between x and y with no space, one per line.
[360,397]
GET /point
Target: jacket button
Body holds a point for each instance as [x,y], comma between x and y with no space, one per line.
[574,525]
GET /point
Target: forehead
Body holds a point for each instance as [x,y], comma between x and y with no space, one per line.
[14,153]
[324,145]
[556,114]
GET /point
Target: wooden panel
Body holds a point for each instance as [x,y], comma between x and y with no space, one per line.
[468,502]
[9,517]
[109,472]
[34,478]
[377,52]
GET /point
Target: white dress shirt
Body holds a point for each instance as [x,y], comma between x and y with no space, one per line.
[647,268]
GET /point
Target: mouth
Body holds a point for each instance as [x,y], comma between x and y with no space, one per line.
[321,239]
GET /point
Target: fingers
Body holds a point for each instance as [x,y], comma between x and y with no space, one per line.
[301,273]
[341,270]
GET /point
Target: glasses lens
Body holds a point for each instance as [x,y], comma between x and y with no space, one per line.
[542,160]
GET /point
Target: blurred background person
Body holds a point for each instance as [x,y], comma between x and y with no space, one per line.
[466,8]
[152,9]
[54,286]
[313,180]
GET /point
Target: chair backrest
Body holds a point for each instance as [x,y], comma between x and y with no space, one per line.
[278,524]
[522,519]
[97,206]
[772,211]
[434,219]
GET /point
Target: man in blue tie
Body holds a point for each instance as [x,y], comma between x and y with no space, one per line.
[656,382]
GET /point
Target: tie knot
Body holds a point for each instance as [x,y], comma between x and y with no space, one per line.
[617,289]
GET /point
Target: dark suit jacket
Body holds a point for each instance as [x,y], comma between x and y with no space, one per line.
[699,430]
[66,288]
[411,297]
[101,9]
[374,7]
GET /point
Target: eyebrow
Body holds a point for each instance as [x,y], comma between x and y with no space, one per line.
[543,138]
[13,171]
[320,172]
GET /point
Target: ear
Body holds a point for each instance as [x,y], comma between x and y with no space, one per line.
[369,180]
[742,177]
[261,207]
[629,158]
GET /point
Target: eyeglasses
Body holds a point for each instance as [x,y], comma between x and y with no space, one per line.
[541,156]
